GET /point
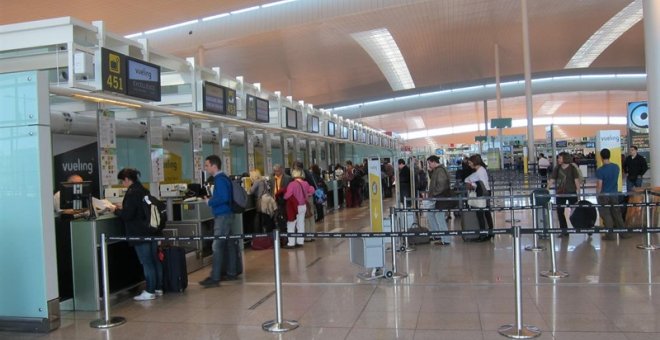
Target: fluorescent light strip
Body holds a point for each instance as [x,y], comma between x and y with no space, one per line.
[187,23]
[134,35]
[382,48]
[217,16]
[249,9]
[277,3]
[520,82]
[550,107]
[606,35]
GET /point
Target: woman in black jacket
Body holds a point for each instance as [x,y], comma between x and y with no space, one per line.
[132,212]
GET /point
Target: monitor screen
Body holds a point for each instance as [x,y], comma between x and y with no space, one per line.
[313,124]
[263,110]
[590,145]
[344,132]
[143,80]
[75,195]
[355,135]
[331,129]
[291,118]
[363,137]
[230,101]
[506,148]
[213,98]
[251,108]
[561,144]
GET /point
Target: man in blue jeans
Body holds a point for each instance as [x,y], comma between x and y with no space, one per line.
[220,203]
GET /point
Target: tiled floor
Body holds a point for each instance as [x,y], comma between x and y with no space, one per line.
[461,291]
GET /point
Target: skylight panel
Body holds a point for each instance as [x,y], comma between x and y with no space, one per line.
[382,48]
[606,35]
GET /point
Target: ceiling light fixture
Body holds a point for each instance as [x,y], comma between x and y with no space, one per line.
[277,3]
[606,35]
[550,107]
[382,48]
[182,24]
[214,17]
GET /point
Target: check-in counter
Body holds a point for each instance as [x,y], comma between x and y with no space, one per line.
[124,268]
[335,194]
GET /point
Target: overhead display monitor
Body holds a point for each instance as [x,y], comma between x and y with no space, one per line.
[561,144]
[355,135]
[251,108]
[230,101]
[291,118]
[263,110]
[142,79]
[331,129]
[344,132]
[113,71]
[313,124]
[213,98]
[590,145]
[363,137]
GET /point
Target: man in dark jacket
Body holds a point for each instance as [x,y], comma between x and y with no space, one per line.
[404,181]
[634,166]
[220,204]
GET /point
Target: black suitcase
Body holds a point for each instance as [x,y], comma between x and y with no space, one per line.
[239,259]
[470,221]
[584,216]
[175,273]
[418,239]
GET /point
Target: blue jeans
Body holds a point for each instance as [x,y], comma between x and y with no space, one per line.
[436,220]
[221,248]
[637,183]
[147,253]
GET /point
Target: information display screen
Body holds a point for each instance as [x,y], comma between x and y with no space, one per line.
[291,118]
[355,135]
[561,144]
[230,101]
[313,124]
[213,98]
[363,138]
[143,79]
[263,110]
[251,108]
[331,129]
[344,132]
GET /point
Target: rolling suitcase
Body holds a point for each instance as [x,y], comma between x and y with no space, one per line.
[470,221]
[584,216]
[239,259]
[175,273]
[418,239]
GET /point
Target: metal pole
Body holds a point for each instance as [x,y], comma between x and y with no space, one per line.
[513,219]
[406,246]
[647,244]
[278,325]
[518,330]
[535,247]
[393,274]
[553,273]
[107,321]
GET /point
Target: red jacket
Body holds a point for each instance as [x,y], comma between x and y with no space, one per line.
[291,209]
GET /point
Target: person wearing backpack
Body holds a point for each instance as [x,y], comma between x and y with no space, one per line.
[566,179]
[320,194]
[220,203]
[131,212]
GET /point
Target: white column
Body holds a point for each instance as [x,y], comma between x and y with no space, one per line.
[498,100]
[528,83]
[652,46]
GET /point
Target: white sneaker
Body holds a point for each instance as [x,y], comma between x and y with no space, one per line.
[144,296]
[159,292]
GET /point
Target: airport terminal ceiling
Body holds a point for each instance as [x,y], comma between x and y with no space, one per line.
[307,48]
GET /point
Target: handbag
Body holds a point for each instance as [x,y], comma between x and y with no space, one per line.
[309,212]
[475,203]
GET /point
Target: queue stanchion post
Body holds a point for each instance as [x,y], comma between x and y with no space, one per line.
[107,321]
[647,241]
[535,246]
[518,330]
[279,325]
[513,219]
[553,273]
[406,245]
[394,274]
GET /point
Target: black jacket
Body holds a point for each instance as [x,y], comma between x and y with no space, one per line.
[635,167]
[404,181]
[133,214]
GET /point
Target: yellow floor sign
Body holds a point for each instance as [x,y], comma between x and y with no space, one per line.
[375,195]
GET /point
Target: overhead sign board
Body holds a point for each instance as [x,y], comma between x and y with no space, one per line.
[113,71]
[129,76]
[500,123]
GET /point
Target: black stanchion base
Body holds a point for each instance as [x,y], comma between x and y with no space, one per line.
[103,323]
[526,332]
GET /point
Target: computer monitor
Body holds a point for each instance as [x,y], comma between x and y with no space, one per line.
[75,196]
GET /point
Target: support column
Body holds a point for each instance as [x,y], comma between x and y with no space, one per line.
[498,100]
[528,83]
[486,120]
[652,46]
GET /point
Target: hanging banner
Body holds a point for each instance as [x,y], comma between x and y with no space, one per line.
[375,196]
[638,128]
[610,139]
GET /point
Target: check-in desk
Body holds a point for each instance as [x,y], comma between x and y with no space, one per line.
[195,219]
[335,195]
[124,268]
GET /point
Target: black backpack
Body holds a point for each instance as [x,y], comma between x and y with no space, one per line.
[238,196]
[155,212]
